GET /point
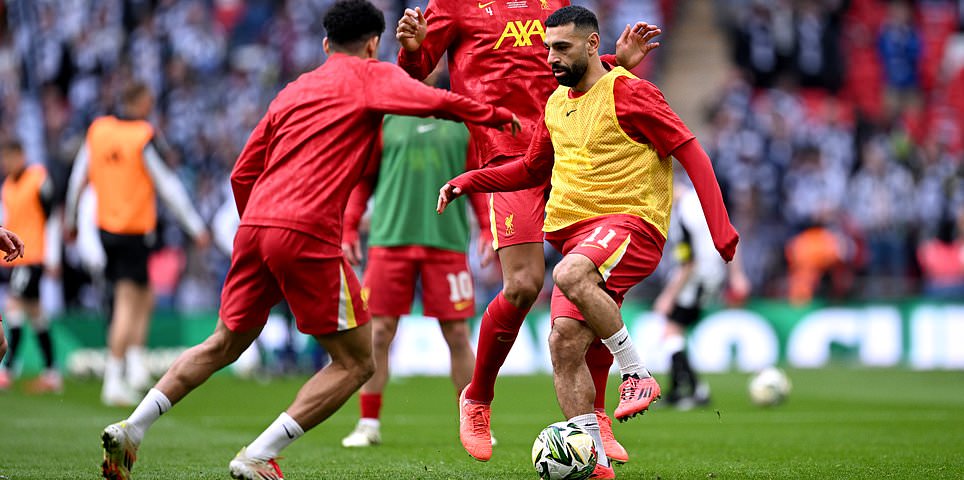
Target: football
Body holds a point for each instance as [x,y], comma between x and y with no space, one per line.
[563,451]
[769,387]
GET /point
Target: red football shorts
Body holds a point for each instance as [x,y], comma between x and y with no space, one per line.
[517,217]
[624,248]
[270,263]
[447,288]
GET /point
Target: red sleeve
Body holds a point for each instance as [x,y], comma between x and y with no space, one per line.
[355,210]
[609,59]
[442,28]
[390,90]
[250,164]
[700,171]
[531,171]
[646,117]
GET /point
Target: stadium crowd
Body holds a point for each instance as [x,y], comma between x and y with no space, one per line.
[838,142]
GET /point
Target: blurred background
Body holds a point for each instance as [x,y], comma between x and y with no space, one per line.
[836,129]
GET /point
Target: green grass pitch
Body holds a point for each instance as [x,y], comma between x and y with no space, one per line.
[838,424]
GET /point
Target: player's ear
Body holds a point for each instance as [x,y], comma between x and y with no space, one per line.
[326,46]
[592,43]
[371,48]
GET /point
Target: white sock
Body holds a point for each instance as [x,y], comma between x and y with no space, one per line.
[275,438]
[621,346]
[673,344]
[589,423]
[113,373]
[154,404]
[370,422]
[136,366]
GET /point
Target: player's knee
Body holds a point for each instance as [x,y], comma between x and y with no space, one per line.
[382,336]
[568,277]
[456,335]
[522,289]
[363,368]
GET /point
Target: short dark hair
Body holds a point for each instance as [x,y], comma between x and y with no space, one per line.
[11,145]
[582,17]
[349,22]
[134,91]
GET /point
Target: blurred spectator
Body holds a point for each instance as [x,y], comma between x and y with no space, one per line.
[881,202]
[941,261]
[899,47]
[812,254]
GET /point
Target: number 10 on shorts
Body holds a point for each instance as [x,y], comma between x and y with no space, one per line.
[460,286]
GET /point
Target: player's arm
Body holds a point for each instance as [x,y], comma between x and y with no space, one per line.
[173,194]
[531,171]
[425,37]
[390,90]
[644,115]
[355,210]
[700,170]
[250,165]
[739,284]
[633,45]
[479,202]
[75,186]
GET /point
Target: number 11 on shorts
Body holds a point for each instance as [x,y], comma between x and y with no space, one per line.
[604,242]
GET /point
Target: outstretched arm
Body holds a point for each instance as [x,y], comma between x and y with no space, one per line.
[700,170]
[531,171]
[390,90]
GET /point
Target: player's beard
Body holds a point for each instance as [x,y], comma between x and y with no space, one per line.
[572,74]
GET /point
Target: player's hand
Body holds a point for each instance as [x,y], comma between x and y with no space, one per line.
[351,249]
[486,252]
[203,240]
[411,30]
[663,305]
[739,288]
[11,245]
[634,44]
[446,195]
[515,126]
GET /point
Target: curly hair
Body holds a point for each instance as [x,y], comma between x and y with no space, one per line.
[349,22]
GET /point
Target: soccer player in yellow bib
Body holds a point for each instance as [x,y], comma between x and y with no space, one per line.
[606,144]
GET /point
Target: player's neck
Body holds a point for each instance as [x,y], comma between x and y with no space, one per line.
[595,71]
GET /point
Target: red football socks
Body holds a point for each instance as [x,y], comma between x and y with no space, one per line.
[599,361]
[500,326]
[371,405]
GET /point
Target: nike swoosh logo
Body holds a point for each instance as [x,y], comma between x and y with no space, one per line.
[619,343]
[287,432]
[593,245]
[483,5]
[462,305]
[505,338]
[570,112]
[160,411]
[425,128]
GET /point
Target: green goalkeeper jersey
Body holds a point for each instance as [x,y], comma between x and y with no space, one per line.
[418,156]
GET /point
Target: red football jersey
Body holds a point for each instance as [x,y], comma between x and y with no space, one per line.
[496,55]
[321,134]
